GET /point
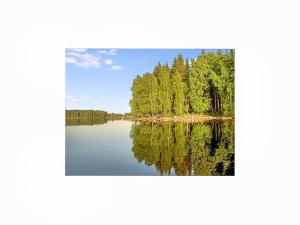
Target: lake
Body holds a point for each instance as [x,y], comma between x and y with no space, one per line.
[142,148]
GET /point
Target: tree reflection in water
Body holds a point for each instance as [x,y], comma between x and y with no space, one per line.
[189,148]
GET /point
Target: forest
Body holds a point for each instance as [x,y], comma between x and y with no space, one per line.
[89,117]
[86,113]
[200,86]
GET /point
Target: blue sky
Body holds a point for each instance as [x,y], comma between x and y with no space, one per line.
[102,78]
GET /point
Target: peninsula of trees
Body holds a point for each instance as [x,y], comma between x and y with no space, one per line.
[90,117]
[201,86]
[86,113]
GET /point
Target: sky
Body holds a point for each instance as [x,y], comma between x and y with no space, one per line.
[101,78]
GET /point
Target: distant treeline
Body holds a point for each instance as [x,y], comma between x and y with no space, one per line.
[85,117]
[86,113]
[203,85]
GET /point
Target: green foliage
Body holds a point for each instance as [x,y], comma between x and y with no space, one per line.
[178,90]
[199,86]
[157,69]
[165,90]
[89,117]
[85,113]
[154,96]
[140,96]
[179,67]
[205,86]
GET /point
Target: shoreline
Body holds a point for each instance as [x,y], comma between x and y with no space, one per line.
[183,118]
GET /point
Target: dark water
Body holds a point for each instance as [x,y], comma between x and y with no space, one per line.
[128,148]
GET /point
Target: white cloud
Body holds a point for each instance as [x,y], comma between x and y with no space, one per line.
[108,52]
[85,59]
[75,54]
[116,67]
[112,52]
[68,96]
[86,96]
[88,61]
[77,49]
[108,61]
[82,60]
[71,60]
[103,51]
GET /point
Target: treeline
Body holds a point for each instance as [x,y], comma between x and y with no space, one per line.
[203,85]
[115,116]
[89,117]
[86,113]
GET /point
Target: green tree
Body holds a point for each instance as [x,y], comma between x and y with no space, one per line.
[165,90]
[159,99]
[178,90]
[140,103]
[178,66]
[199,87]
[154,95]
[187,87]
[156,69]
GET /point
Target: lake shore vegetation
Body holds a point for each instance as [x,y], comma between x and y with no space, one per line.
[198,86]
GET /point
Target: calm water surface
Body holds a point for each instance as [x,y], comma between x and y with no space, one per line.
[129,148]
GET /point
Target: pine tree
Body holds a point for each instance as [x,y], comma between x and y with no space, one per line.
[186,87]
[179,67]
[165,90]
[155,100]
[178,90]
[199,93]
[157,69]
[137,99]
[159,100]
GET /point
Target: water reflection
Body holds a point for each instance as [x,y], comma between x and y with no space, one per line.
[186,148]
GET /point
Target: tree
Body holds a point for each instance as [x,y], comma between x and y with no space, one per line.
[199,88]
[165,90]
[154,95]
[179,67]
[187,87]
[140,96]
[157,69]
[178,90]
[159,99]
